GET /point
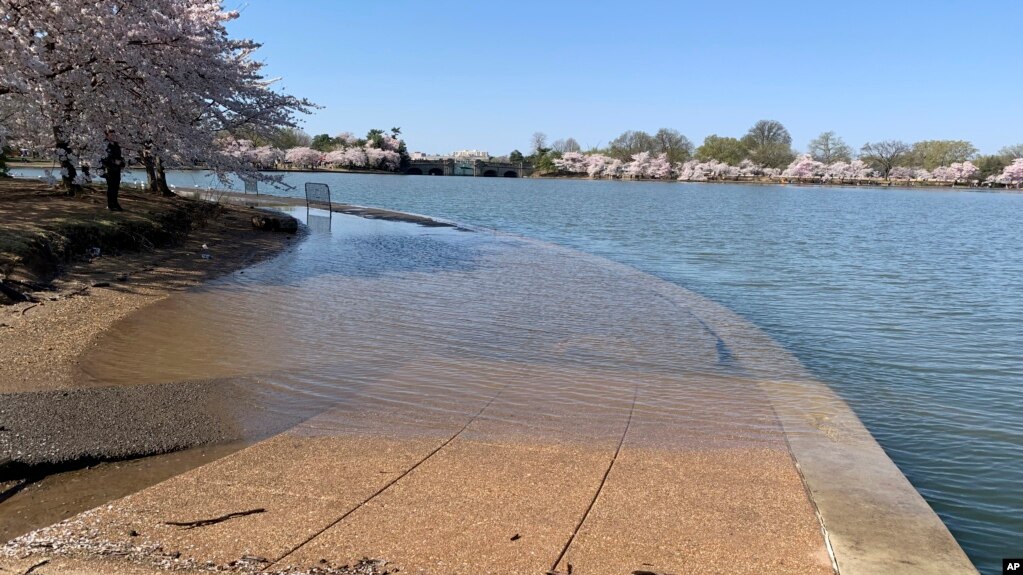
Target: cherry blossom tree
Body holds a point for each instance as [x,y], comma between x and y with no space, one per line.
[903,173]
[1012,175]
[942,174]
[303,157]
[956,172]
[239,148]
[721,170]
[379,159]
[354,158]
[749,168]
[334,158]
[804,167]
[687,172]
[854,170]
[267,156]
[245,151]
[660,167]
[697,171]
[614,168]
[163,73]
[639,167]
[384,142]
[963,171]
[572,162]
[596,165]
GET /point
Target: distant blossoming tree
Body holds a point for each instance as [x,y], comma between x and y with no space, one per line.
[596,165]
[1012,175]
[379,159]
[804,167]
[334,158]
[573,163]
[267,156]
[660,167]
[854,170]
[904,173]
[354,158]
[303,157]
[639,167]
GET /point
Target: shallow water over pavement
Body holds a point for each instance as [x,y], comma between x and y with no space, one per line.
[375,313]
[391,331]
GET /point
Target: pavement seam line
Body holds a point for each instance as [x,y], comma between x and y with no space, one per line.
[388,485]
[809,492]
[600,488]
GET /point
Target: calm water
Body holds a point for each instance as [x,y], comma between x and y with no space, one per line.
[905,302]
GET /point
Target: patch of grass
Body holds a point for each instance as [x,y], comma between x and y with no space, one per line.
[44,233]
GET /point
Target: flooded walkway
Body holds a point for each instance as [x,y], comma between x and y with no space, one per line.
[471,403]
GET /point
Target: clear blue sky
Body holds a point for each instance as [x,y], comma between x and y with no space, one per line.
[486,75]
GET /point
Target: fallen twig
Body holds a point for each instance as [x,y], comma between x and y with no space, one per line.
[28,308]
[213,521]
[36,566]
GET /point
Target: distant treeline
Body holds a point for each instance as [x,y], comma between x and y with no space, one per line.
[766,150]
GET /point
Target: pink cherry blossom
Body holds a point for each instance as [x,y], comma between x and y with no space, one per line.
[1012,175]
[303,157]
[164,74]
[804,167]
[902,173]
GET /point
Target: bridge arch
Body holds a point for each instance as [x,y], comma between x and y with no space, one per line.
[436,172]
[511,174]
[414,172]
[490,174]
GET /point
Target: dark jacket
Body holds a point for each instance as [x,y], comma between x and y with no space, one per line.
[114,161]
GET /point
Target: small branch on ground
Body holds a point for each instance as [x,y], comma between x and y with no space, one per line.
[36,566]
[213,521]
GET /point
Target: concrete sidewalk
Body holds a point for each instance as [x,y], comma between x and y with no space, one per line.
[517,482]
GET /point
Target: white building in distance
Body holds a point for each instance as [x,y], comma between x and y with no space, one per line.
[471,154]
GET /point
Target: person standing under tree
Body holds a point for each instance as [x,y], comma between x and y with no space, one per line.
[112,165]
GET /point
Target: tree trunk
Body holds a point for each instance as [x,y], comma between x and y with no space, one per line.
[161,179]
[68,171]
[150,165]
[154,171]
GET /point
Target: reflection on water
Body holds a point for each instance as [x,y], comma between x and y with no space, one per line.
[393,318]
[319,224]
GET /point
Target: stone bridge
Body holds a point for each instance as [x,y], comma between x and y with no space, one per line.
[480,168]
